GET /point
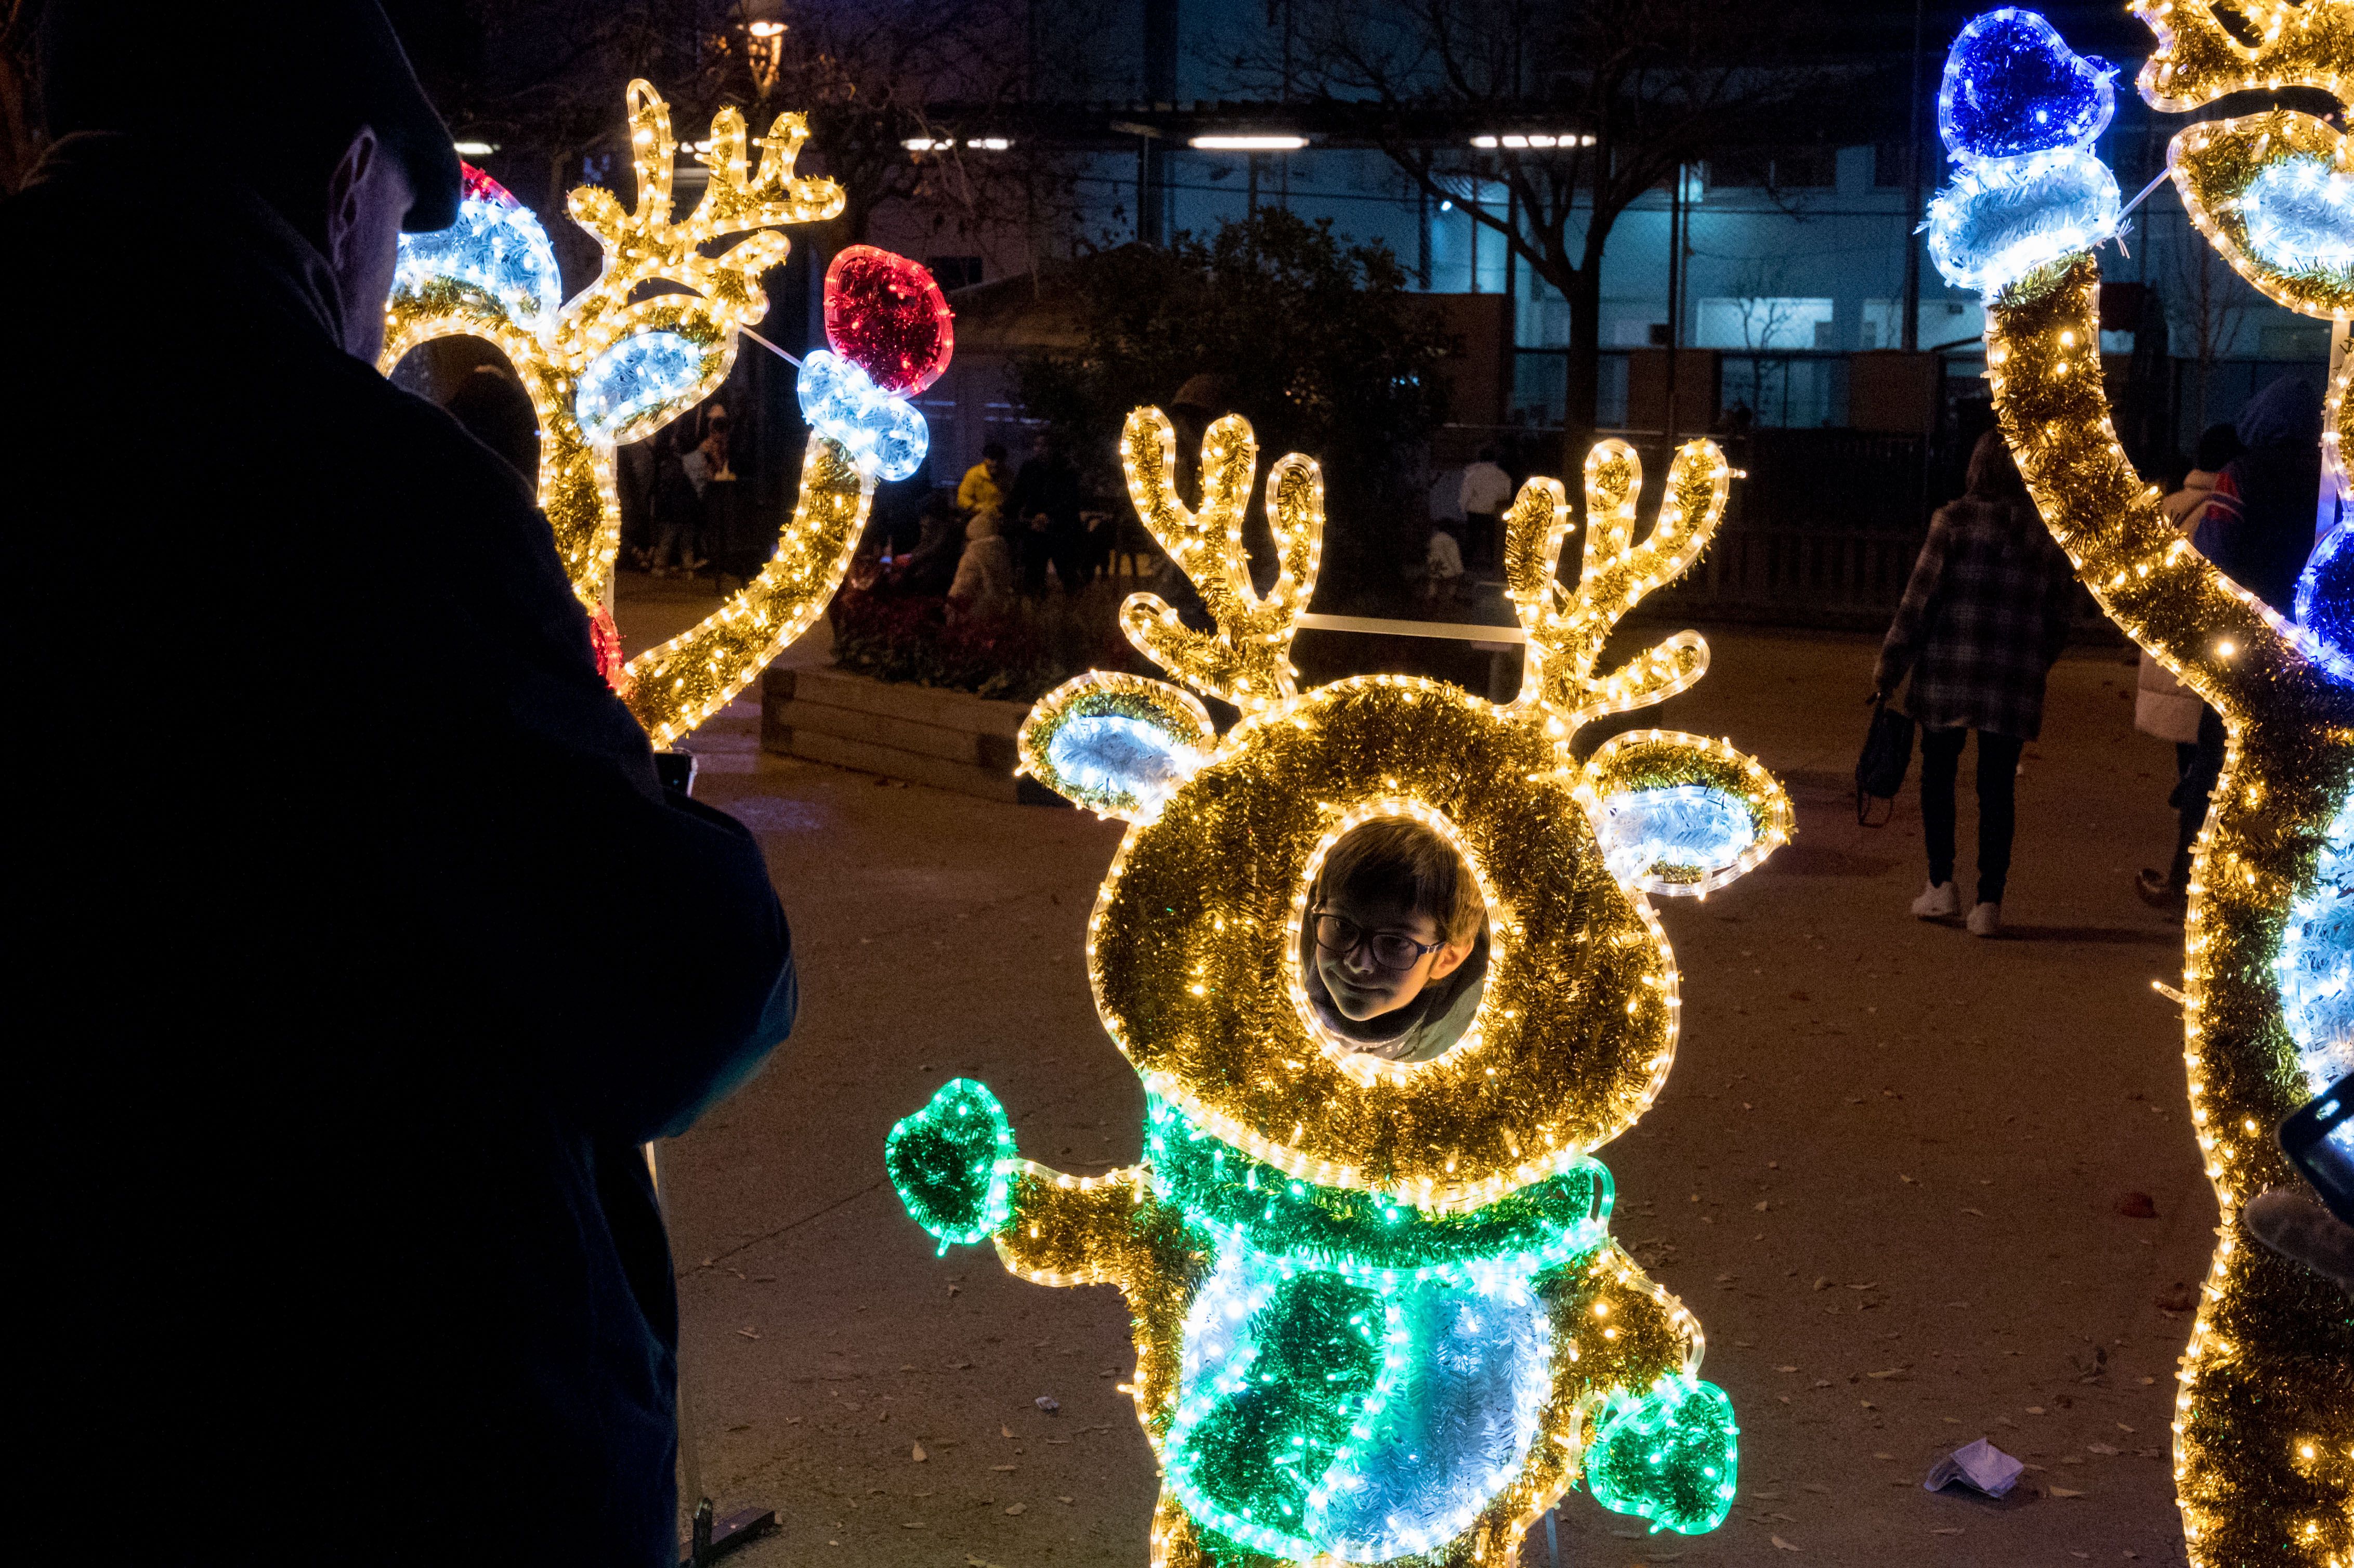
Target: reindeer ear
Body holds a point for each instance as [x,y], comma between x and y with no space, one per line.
[1119,745]
[1682,814]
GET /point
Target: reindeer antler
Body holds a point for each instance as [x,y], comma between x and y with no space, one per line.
[645,246]
[1567,629]
[1248,660]
[2303,43]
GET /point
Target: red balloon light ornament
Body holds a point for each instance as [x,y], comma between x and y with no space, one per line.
[884,315]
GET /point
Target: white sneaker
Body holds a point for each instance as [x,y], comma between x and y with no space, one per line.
[1986,920]
[1939,901]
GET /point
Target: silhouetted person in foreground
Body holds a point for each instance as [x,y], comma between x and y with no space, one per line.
[353,974]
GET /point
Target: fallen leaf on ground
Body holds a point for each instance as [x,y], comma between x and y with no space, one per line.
[2065,1492]
[1016,1508]
[1784,1544]
[1062,1500]
[1005,1431]
[918,1454]
[2100,1448]
[1786,1369]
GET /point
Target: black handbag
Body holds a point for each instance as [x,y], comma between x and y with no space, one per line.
[1880,771]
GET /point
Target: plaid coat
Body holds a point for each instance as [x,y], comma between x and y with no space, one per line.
[1985,613]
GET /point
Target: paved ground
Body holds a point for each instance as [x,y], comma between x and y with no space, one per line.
[1885,1173]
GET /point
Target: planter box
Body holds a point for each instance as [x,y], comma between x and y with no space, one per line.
[948,740]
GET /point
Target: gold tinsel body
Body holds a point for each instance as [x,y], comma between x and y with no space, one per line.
[2265,1418]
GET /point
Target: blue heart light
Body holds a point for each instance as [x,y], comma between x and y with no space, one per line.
[2012,86]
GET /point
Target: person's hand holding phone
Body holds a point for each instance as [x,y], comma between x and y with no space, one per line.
[2302,1231]
[2318,1138]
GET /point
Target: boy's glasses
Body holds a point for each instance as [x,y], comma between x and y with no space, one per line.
[1341,937]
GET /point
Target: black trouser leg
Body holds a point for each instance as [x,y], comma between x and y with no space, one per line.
[2202,763]
[1068,550]
[1941,759]
[1997,810]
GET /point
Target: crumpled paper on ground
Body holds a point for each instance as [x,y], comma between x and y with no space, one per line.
[1980,1465]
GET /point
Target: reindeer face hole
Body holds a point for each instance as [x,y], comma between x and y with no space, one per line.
[1197,951]
[1390,961]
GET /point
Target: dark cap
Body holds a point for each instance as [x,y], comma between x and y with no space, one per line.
[272,89]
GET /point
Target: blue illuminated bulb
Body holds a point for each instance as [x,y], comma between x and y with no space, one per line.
[883,432]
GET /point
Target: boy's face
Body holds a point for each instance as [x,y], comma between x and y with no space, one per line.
[1360,985]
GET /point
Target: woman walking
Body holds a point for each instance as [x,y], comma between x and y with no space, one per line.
[1984,615]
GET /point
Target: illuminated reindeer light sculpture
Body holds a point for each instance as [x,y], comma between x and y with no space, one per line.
[653,336]
[2265,1417]
[1377,1311]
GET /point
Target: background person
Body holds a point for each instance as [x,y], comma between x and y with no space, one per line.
[1044,507]
[1984,616]
[2164,707]
[677,508]
[332,1085]
[1487,492]
[984,573]
[2258,525]
[498,413]
[984,484]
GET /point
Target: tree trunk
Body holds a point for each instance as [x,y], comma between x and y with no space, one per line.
[1580,405]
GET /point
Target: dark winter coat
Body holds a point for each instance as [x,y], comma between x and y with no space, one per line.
[2258,529]
[357,947]
[1984,615]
